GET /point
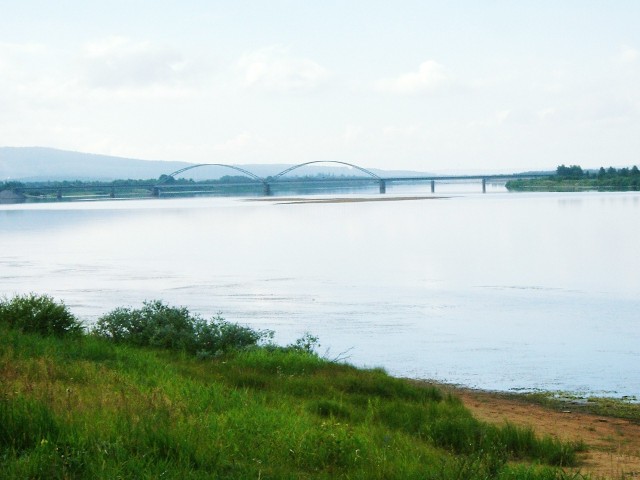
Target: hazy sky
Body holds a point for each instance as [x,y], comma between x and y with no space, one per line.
[424,85]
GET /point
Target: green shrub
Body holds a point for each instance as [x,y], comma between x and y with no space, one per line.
[307,343]
[218,336]
[39,314]
[153,325]
[175,328]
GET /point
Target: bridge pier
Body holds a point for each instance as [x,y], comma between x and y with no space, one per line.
[155,192]
[433,186]
[484,185]
[59,194]
[113,193]
[383,186]
[266,189]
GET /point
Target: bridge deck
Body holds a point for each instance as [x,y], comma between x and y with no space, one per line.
[253,180]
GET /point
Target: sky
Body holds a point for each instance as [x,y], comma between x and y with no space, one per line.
[414,85]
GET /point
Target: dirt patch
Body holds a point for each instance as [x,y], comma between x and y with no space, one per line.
[613,444]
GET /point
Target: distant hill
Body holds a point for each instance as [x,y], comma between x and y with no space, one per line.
[39,163]
[29,164]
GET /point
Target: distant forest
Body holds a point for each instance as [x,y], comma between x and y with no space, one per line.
[226,185]
[162,180]
[574,178]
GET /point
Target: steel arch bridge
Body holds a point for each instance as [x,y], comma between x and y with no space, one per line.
[109,189]
[266,182]
[241,170]
[382,182]
[295,167]
[274,177]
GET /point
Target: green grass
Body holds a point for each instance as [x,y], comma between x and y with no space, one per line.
[83,406]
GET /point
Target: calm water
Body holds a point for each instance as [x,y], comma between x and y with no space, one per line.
[498,291]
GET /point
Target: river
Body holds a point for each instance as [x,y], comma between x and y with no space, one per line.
[502,291]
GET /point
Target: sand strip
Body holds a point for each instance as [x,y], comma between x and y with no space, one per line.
[303,200]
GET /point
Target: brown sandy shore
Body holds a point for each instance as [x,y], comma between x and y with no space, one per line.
[613,444]
[302,200]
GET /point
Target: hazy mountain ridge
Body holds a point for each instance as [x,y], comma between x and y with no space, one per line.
[41,164]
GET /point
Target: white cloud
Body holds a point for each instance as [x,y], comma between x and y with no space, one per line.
[627,54]
[118,62]
[239,142]
[273,68]
[431,76]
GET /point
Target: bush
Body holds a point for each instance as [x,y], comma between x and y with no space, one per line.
[219,336]
[39,314]
[153,325]
[307,343]
[175,328]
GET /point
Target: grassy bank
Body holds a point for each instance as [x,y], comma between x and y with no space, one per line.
[93,405]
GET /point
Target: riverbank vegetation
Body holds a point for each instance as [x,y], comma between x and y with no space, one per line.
[574,178]
[626,407]
[160,392]
[165,185]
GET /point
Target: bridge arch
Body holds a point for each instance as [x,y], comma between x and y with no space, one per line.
[253,176]
[364,170]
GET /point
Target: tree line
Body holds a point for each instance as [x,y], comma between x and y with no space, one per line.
[574,177]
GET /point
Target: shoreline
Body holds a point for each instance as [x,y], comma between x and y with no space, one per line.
[626,407]
[610,428]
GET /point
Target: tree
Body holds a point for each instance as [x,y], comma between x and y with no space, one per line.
[10,185]
[167,179]
[573,172]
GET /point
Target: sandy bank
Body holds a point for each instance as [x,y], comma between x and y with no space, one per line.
[300,200]
[613,443]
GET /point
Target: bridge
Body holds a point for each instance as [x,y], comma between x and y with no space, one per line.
[279,178]
[167,184]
